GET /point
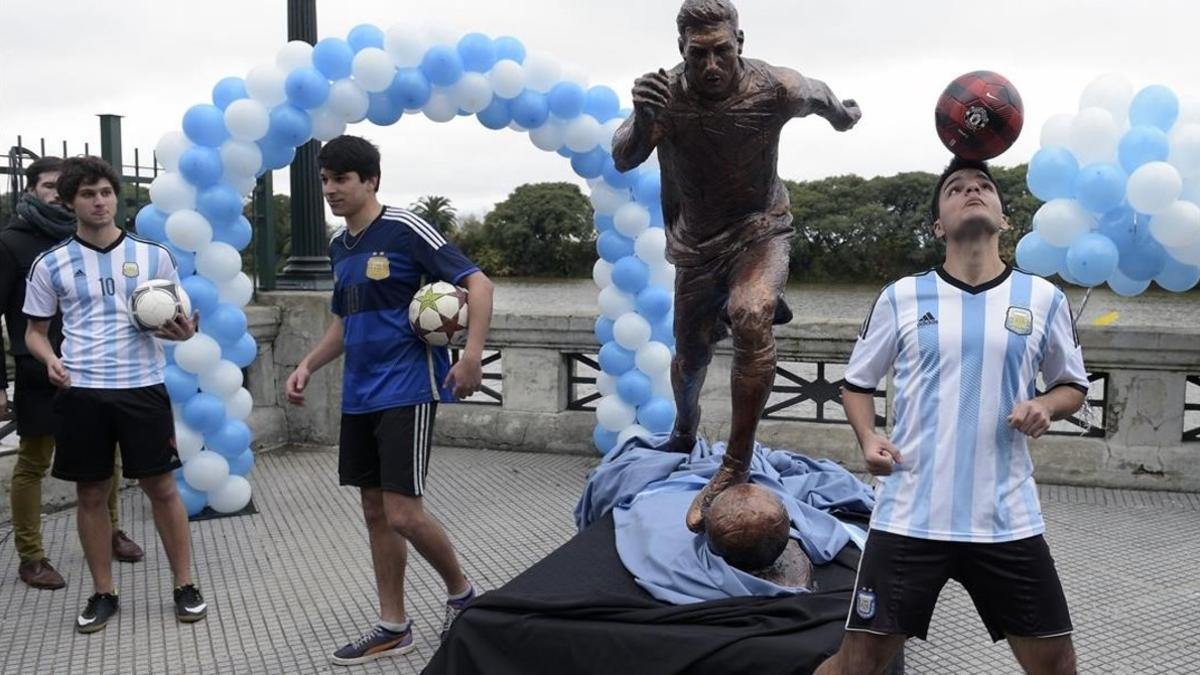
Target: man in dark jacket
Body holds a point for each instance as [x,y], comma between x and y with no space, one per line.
[40,223]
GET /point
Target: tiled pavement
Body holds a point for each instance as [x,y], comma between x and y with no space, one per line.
[288,585]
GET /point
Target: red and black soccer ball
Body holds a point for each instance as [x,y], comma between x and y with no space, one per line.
[979,115]
[438,313]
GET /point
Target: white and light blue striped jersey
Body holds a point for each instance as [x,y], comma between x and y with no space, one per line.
[963,357]
[102,349]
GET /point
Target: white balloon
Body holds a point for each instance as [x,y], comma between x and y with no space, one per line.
[1057,130]
[188,442]
[576,74]
[582,133]
[663,388]
[189,230]
[549,136]
[440,107]
[472,92]
[602,273]
[218,261]
[406,44]
[654,359]
[231,496]
[170,192]
[614,414]
[237,291]
[1191,190]
[373,69]
[631,431]
[348,100]
[247,119]
[442,34]
[243,184]
[651,246]
[170,148]
[631,331]
[614,302]
[1189,110]
[507,78]
[1185,149]
[517,127]
[222,380]
[663,275]
[265,84]
[542,71]
[607,200]
[239,404]
[1188,255]
[1060,221]
[1153,187]
[1094,136]
[293,55]
[605,384]
[240,158]
[198,354]
[1177,226]
[1112,92]
[327,124]
[206,471]
[606,133]
[631,219]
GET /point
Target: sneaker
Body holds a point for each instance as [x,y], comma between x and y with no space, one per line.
[124,548]
[189,604]
[100,608]
[453,609]
[40,574]
[375,644]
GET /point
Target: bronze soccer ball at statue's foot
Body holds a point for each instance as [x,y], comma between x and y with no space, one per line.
[722,480]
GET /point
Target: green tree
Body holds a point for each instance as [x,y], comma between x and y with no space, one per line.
[437,211]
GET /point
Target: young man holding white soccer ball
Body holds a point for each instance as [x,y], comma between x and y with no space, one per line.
[110,380]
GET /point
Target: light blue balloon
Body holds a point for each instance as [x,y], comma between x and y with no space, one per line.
[1052,173]
[289,125]
[241,353]
[442,65]
[237,233]
[181,385]
[509,48]
[365,35]
[226,323]
[602,103]
[630,274]
[656,216]
[497,115]
[1126,287]
[1121,226]
[603,223]
[615,359]
[635,387]
[243,464]
[566,100]
[620,180]
[1177,277]
[201,166]
[589,164]
[194,500]
[151,223]
[648,191]
[204,124]
[564,151]
[613,246]
[203,294]
[657,415]
[1091,259]
[1100,187]
[603,330]
[653,302]
[230,439]
[382,110]
[477,51]
[334,57]
[410,89]
[185,261]
[530,109]
[603,439]
[275,154]
[1034,254]
[220,204]
[1156,106]
[1142,259]
[1143,144]
[306,88]
[204,413]
[228,90]
[663,330]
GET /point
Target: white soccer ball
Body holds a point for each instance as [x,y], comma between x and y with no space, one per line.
[156,302]
[438,313]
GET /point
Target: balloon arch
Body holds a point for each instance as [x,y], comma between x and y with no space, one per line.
[254,125]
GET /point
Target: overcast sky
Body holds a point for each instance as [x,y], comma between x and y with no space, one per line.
[63,62]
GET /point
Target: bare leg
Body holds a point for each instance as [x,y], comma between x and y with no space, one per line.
[95,532]
[862,654]
[408,517]
[389,557]
[170,518]
[1044,656]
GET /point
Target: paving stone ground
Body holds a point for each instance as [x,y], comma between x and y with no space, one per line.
[292,583]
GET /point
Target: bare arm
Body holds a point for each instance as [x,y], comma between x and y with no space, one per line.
[640,134]
[328,348]
[38,342]
[877,450]
[466,376]
[807,96]
[1033,418]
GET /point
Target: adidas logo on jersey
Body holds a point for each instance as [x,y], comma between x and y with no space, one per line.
[928,320]
[79,273]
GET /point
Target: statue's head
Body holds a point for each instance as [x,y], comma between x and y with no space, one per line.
[711,44]
[747,525]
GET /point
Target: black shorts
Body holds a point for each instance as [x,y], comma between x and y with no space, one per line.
[387,449]
[91,423]
[1014,586]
